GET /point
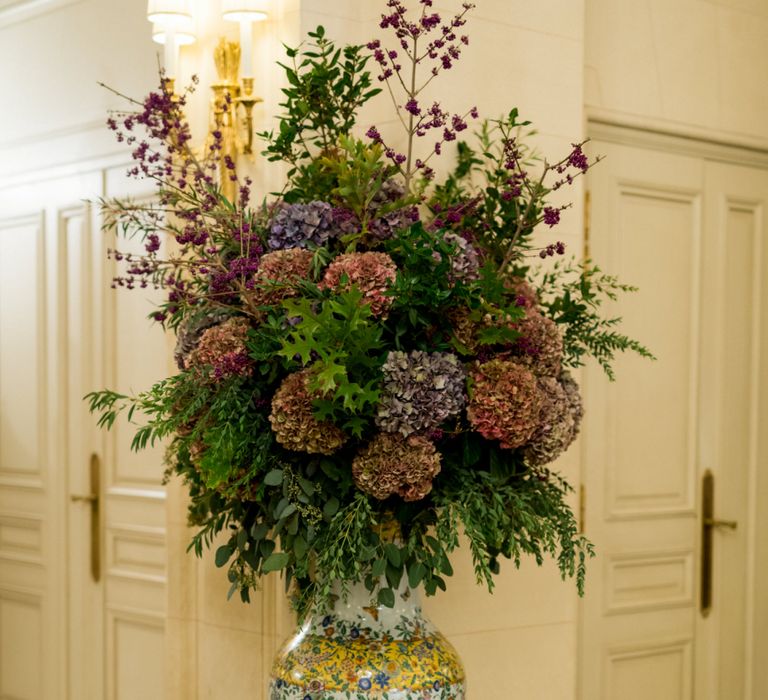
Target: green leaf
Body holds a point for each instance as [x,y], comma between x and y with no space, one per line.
[223,554]
[393,554]
[274,478]
[331,507]
[386,597]
[416,573]
[378,568]
[275,562]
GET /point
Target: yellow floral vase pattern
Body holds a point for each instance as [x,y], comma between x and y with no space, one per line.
[357,651]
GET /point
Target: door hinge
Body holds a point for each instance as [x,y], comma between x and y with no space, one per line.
[587,222]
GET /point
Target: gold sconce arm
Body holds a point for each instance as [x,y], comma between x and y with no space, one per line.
[248,100]
[228,95]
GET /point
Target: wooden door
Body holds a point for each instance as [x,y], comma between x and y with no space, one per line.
[688,232]
[80,618]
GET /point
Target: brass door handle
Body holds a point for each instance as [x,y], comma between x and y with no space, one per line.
[725,524]
[93,499]
[89,498]
[709,523]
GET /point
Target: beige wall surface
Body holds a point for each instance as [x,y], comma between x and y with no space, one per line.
[695,65]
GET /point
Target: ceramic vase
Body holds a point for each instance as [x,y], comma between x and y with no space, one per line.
[356,649]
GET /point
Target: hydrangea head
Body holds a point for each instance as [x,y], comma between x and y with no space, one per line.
[302,225]
[371,273]
[555,432]
[395,465]
[504,402]
[420,391]
[540,346]
[222,352]
[279,274]
[293,420]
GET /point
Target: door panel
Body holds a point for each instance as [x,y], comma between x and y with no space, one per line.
[689,234]
[727,651]
[63,333]
[639,439]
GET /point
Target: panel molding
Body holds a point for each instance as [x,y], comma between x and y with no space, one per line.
[684,559]
[667,504]
[647,650]
[670,137]
[19,550]
[117,615]
[130,567]
[25,478]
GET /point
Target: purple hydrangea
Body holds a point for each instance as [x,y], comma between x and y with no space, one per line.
[420,391]
[465,262]
[302,225]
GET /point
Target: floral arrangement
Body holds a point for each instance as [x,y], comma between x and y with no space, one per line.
[371,361]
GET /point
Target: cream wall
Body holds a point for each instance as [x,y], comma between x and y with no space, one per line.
[697,66]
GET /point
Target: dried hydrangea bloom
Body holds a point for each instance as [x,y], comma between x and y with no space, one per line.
[540,346]
[420,391]
[571,389]
[371,273]
[293,420]
[387,226]
[222,352]
[465,262]
[191,330]
[302,225]
[525,294]
[556,425]
[504,402]
[395,465]
[278,274]
[384,226]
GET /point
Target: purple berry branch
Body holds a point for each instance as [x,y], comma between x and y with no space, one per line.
[427,43]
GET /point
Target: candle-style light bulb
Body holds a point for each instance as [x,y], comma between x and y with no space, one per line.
[171,53]
[246,49]
[246,12]
[172,26]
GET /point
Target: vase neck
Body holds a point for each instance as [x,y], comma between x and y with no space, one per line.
[360,602]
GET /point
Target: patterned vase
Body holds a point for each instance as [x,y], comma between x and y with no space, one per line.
[358,650]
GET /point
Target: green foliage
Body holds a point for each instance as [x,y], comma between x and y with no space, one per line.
[326,88]
[300,515]
[502,218]
[341,342]
[573,294]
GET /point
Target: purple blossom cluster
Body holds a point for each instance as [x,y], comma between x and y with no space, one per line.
[303,225]
[427,42]
[420,391]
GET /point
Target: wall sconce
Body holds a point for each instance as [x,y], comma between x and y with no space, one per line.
[246,12]
[173,26]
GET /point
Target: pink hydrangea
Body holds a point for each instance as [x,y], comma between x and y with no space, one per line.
[540,347]
[222,352]
[504,402]
[294,423]
[371,273]
[278,275]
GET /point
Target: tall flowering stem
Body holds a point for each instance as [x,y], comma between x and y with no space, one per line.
[428,43]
